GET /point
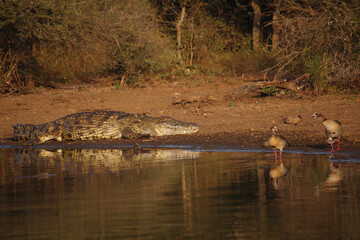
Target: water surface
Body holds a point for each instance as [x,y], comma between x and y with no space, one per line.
[177,194]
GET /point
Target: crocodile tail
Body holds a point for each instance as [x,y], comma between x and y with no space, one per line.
[23,131]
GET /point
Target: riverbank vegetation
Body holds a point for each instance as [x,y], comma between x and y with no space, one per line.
[44,43]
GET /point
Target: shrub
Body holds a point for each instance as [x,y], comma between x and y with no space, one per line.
[319,67]
[321,38]
[215,48]
[9,78]
[70,40]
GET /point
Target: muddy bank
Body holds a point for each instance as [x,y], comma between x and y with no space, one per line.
[227,116]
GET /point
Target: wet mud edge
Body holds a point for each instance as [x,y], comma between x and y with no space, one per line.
[223,140]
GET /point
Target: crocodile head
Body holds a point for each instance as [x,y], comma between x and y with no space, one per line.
[169,126]
[163,126]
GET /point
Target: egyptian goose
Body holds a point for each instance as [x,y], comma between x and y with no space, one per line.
[292,119]
[276,142]
[333,129]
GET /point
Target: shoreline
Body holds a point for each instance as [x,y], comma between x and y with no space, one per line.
[219,141]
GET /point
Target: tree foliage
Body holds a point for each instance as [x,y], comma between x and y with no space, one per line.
[81,41]
[320,38]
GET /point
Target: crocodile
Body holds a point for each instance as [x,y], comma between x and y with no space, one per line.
[101,125]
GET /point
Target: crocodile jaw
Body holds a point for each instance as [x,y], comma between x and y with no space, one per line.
[164,129]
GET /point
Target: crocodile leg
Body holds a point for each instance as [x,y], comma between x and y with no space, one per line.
[130,133]
[54,134]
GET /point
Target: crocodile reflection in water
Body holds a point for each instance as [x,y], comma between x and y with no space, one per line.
[110,160]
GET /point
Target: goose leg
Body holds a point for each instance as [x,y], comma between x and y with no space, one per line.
[338,149]
[280,156]
[275,156]
[332,148]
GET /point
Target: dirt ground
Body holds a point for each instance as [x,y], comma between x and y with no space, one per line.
[229,115]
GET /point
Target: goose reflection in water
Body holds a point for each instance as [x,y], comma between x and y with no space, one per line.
[277,172]
[335,175]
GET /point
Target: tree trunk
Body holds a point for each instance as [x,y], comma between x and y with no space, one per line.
[255,4]
[178,32]
[276,29]
[192,42]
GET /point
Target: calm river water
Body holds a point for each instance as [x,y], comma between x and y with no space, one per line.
[178,194]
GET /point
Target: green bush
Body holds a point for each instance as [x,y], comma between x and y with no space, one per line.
[321,38]
[218,49]
[70,40]
[319,67]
